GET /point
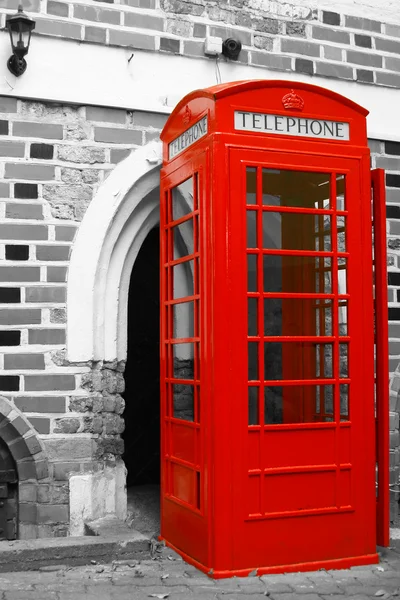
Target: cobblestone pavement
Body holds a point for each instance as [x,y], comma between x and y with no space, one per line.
[168,577]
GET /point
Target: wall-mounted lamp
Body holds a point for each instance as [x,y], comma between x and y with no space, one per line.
[20,28]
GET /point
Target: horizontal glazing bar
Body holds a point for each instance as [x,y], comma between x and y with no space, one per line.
[184,259]
[187,217]
[183,300]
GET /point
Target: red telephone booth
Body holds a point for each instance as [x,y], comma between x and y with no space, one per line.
[269,423]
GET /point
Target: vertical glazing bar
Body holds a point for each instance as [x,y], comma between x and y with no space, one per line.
[382,354]
[260,288]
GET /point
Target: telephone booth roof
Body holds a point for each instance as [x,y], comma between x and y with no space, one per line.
[277,98]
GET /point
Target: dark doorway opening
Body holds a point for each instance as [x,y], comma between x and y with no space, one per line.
[142,373]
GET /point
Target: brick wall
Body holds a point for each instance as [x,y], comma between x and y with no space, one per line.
[52,160]
[297,39]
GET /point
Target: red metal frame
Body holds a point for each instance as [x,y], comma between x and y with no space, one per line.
[266,491]
[382,355]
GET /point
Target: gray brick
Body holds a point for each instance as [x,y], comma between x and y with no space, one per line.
[23,316]
[47,131]
[199,30]
[8,105]
[57,8]
[140,3]
[149,119]
[20,274]
[332,53]
[65,234]
[389,79]
[303,65]
[4,190]
[32,172]
[56,274]
[44,404]
[387,45]
[300,47]
[40,424]
[113,135]
[95,34]
[362,58]
[24,211]
[15,231]
[193,48]
[106,115]
[226,32]
[143,21]
[365,76]
[23,361]
[45,294]
[74,448]
[12,149]
[392,164]
[132,40]
[51,253]
[119,154]
[359,23]
[330,35]
[46,337]
[273,61]
[331,18]
[334,70]
[43,383]
[27,512]
[364,41]
[393,30]
[52,513]
[393,64]
[63,470]
[58,28]
[170,45]
[93,13]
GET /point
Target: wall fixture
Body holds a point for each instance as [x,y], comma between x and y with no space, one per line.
[20,28]
[231,48]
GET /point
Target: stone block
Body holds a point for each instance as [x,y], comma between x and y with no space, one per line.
[62,470]
[13,231]
[33,444]
[92,13]
[58,315]
[46,336]
[52,253]
[95,34]
[56,274]
[27,512]
[27,492]
[74,448]
[19,274]
[394,439]
[361,23]
[296,28]
[42,130]
[81,154]
[26,171]
[112,135]
[23,316]
[12,149]
[132,40]
[45,294]
[66,425]
[58,28]
[393,421]
[40,404]
[52,513]
[23,361]
[41,425]
[47,382]
[26,470]
[19,449]
[15,210]
[144,21]
[300,47]
[8,105]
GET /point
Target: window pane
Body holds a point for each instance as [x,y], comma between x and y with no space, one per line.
[323,317]
[300,189]
[252,272]
[183,402]
[252,316]
[324,358]
[183,319]
[183,280]
[252,361]
[344,401]
[253,406]
[297,316]
[251,229]
[342,275]
[182,236]
[343,317]
[341,224]
[297,360]
[343,360]
[298,404]
[251,185]
[340,192]
[296,231]
[183,361]
[297,274]
[182,199]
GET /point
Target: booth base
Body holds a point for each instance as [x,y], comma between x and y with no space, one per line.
[339,563]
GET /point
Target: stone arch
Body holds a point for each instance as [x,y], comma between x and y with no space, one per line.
[124,210]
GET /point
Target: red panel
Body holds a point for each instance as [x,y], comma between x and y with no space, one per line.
[183,442]
[299,491]
[183,483]
[296,448]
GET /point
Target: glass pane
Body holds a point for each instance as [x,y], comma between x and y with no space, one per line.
[342,310]
[183,320]
[183,239]
[323,317]
[298,404]
[253,406]
[297,316]
[251,185]
[297,360]
[183,361]
[253,361]
[341,224]
[297,274]
[343,360]
[340,192]
[252,272]
[182,199]
[252,316]
[300,189]
[296,231]
[183,280]
[342,275]
[183,402]
[344,401]
[251,229]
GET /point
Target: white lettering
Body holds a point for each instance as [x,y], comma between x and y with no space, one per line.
[189,137]
[285,125]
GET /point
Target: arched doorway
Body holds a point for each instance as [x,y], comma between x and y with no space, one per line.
[142,372]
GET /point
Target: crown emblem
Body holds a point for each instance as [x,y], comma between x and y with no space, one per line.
[187,115]
[293,101]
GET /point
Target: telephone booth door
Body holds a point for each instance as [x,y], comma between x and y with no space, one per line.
[303,475]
